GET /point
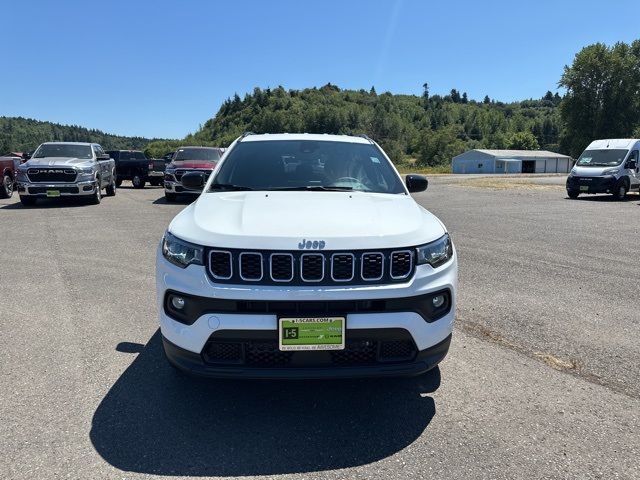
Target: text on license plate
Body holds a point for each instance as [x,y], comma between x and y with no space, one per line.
[311,333]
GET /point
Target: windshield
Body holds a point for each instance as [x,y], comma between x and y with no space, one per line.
[307,165]
[601,158]
[197,154]
[63,150]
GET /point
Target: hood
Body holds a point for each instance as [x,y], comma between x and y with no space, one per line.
[282,220]
[58,162]
[206,164]
[591,171]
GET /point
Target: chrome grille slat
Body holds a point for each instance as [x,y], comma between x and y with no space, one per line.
[221,264]
[250,266]
[370,264]
[281,267]
[400,264]
[343,267]
[312,267]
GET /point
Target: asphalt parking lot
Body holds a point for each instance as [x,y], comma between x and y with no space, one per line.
[542,381]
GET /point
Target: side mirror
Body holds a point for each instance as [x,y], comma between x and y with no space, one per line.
[416,183]
[632,164]
[193,180]
[104,156]
[27,156]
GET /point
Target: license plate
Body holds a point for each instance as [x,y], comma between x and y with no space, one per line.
[311,333]
[584,188]
[53,193]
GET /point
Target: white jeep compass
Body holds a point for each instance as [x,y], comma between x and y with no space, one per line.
[304,257]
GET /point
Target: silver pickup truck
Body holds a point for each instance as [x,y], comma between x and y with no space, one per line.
[66,169]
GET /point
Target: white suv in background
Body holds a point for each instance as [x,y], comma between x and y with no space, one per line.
[304,257]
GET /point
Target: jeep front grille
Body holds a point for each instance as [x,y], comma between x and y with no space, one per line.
[235,266]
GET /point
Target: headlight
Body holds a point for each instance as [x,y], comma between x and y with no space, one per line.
[21,174]
[436,253]
[572,173]
[181,253]
[86,172]
[611,171]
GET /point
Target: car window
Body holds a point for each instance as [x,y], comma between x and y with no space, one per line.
[63,150]
[291,164]
[212,154]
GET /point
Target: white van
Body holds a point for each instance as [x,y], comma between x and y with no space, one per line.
[606,166]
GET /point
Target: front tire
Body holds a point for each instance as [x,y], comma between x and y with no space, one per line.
[27,201]
[96,198]
[621,192]
[573,195]
[6,188]
[111,188]
[170,197]
[118,182]
[137,181]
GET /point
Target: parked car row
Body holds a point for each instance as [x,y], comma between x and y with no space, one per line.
[76,169]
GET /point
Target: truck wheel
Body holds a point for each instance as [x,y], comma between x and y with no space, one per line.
[111,188]
[170,197]
[27,201]
[118,182]
[573,195]
[6,188]
[137,181]
[96,198]
[621,192]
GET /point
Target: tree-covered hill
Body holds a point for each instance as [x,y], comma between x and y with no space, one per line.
[19,134]
[431,129]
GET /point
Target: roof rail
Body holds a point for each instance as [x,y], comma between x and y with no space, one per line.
[245,134]
[365,136]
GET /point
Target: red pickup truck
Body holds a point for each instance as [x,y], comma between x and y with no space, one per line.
[8,167]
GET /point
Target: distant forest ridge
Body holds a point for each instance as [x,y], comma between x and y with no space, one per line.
[18,134]
[428,129]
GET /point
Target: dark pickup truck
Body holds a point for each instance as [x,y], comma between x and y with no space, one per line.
[135,166]
[8,167]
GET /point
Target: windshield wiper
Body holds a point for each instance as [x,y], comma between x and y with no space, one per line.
[312,188]
[229,186]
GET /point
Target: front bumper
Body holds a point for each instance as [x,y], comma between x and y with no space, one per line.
[173,186]
[76,189]
[195,364]
[605,184]
[186,343]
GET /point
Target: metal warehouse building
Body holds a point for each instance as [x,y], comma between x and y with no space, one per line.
[511,161]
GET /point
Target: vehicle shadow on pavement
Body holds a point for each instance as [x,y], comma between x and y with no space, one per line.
[631,197]
[155,420]
[48,203]
[184,200]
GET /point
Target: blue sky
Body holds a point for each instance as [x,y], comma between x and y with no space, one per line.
[160,68]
